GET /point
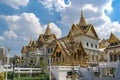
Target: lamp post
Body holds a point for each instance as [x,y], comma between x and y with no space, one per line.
[13,68]
[50,67]
[73,74]
[7,62]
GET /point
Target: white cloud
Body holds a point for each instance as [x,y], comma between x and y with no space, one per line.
[26,25]
[15,3]
[108,6]
[90,7]
[94,13]
[2,38]
[10,34]
[55,29]
[57,5]
[107,28]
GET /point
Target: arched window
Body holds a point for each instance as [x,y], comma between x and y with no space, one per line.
[93,58]
[111,57]
[95,46]
[53,59]
[91,45]
[62,58]
[87,44]
[48,50]
[58,54]
[115,57]
[78,51]
[74,56]
[79,54]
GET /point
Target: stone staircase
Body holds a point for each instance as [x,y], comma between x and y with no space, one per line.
[85,73]
[104,78]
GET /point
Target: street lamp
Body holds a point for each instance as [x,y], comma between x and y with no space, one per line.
[13,68]
[50,68]
[7,62]
[73,74]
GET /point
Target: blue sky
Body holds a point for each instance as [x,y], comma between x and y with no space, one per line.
[20,20]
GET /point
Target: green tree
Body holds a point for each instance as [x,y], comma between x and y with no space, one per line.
[43,65]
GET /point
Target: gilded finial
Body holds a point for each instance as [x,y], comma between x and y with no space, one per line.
[82,19]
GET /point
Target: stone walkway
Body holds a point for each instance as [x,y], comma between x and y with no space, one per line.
[104,78]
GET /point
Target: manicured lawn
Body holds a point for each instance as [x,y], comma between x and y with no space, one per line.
[40,77]
[32,78]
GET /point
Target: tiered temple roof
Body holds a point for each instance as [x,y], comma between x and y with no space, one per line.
[45,38]
[83,28]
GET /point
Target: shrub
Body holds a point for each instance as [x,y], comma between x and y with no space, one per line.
[41,76]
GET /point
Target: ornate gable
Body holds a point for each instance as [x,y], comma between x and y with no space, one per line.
[83,28]
[91,32]
[57,48]
[74,28]
[103,43]
[69,53]
[74,31]
[30,42]
[47,37]
[113,38]
[40,38]
[25,49]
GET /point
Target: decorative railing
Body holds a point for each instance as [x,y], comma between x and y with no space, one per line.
[108,64]
[38,52]
[25,70]
[65,67]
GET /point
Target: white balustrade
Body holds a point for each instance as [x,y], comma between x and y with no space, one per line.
[108,64]
[65,67]
[25,70]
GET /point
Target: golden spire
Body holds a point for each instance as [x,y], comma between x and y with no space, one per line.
[48,31]
[82,19]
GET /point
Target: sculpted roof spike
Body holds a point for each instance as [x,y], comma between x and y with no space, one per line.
[82,20]
[48,31]
[30,42]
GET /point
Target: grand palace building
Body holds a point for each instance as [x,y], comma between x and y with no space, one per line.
[80,47]
[82,42]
